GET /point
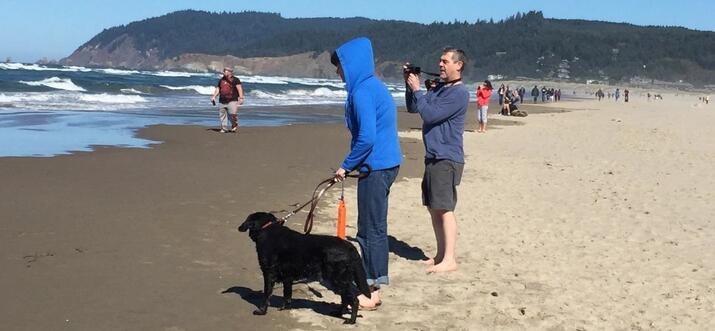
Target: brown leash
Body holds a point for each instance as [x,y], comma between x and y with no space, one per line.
[318,193]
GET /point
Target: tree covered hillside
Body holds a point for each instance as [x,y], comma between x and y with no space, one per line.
[526,45]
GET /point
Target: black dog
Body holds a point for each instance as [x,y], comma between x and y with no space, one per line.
[286,256]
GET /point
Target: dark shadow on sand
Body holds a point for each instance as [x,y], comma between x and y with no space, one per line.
[405,251]
[402,249]
[276,301]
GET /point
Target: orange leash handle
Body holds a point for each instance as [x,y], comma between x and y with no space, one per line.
[342,219]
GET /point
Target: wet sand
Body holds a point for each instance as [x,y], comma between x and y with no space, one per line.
[145,239]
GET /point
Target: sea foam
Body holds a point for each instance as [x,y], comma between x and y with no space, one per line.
[56,83]
[206,90]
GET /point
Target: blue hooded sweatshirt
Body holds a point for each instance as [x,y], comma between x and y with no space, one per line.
[370,112]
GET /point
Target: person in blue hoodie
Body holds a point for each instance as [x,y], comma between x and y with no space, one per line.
[371,117]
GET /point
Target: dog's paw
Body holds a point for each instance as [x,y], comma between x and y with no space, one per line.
[285,307]
[260,311]
[349,321]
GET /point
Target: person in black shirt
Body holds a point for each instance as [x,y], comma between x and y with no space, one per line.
[230,95]
[535,93]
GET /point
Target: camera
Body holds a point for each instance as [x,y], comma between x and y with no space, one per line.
[411,69]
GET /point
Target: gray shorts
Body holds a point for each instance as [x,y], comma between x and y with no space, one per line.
[439,184]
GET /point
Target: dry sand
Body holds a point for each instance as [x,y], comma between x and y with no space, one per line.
[596,219]
[600,218]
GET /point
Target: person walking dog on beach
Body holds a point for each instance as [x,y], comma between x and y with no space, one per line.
[443,111]
[484,91]
[231,96]
[371,117]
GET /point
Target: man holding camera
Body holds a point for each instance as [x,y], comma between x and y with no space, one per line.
[230,95]
[443,111]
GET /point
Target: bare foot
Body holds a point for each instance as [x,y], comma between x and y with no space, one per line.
[444,266]
[367,303]
[375,298]
[430,261]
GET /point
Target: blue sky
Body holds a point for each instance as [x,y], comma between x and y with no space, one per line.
[32,29]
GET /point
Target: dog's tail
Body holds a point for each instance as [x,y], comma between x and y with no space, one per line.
[359,275]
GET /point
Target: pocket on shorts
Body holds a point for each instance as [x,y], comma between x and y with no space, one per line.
[457,170]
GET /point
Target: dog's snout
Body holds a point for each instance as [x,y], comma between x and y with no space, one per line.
[243,227]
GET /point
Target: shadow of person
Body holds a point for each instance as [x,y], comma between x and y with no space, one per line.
[405,251]
[276,301]
[401,249]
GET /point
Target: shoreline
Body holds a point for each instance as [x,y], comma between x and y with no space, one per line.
[124,238]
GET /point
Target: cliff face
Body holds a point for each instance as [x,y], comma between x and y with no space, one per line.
[310,64]
[118,53]
[121,53]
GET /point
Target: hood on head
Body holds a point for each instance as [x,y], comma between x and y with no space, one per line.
[357,61]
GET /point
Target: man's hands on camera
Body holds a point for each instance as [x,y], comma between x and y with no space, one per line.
[412,80]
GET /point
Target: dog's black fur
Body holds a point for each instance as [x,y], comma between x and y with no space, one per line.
[286,256]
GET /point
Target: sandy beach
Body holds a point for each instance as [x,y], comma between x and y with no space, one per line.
[595,219]
[584,215]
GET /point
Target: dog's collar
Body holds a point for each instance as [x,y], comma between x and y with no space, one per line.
[270,223]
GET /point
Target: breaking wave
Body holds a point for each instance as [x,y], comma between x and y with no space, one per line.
[56,83]
[206,90]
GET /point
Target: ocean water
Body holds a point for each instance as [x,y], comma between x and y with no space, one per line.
[53,110]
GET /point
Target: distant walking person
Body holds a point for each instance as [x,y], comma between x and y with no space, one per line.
[535,93]
[543,94]
[484,91]
[230,95]
[617,94]
[501,91]
[625,95]
[600,95]
[522,92]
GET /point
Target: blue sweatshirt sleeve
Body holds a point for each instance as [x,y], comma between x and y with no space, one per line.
[439,109]
[366,129]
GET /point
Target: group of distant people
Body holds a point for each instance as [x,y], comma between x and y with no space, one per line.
[704,99]
[547,94]
[509,99]
[615,94]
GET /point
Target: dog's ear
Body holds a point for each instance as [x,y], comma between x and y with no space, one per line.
[256,221]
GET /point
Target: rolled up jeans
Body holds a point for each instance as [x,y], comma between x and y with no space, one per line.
[373,193]
[226,109]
